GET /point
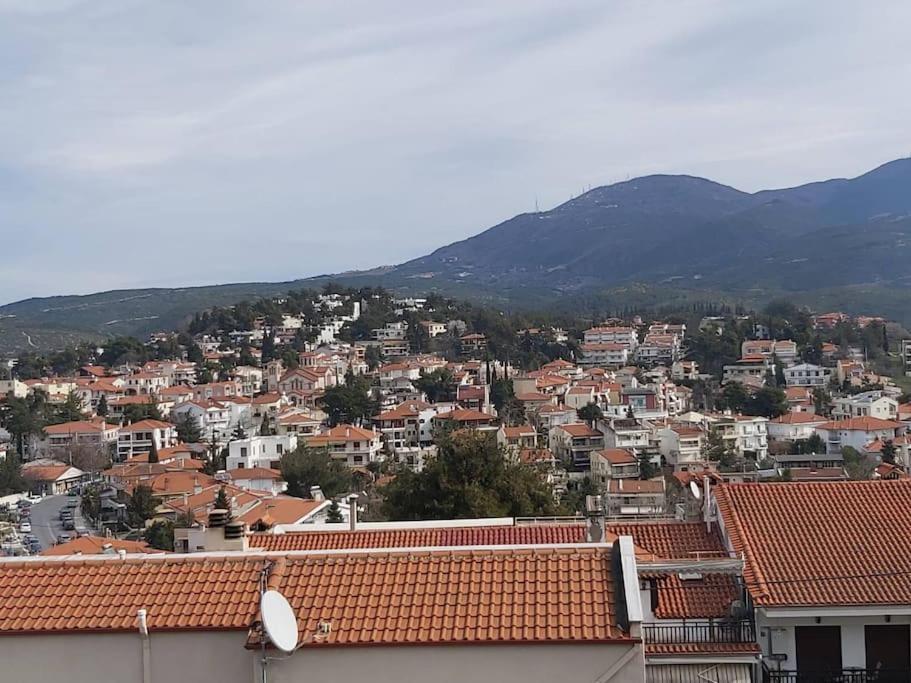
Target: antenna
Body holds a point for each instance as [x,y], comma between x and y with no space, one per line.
[279,621]
[695,490]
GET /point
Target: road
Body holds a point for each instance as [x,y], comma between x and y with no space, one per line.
[45,519]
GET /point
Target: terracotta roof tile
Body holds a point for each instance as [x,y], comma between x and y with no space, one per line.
[440,537]
[97,545]
[820,544]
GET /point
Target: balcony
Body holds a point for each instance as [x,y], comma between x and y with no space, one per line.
[841,676]
[709,631]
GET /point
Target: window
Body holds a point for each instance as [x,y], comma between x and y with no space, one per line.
[243,451]
[240,465]
[279,449]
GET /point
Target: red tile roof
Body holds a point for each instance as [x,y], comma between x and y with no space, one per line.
[820,544]
[618,456]
[439,537]
[863,424]
[491,596]
[547,595]
[98,545]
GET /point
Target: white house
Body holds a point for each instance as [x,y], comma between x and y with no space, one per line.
[857,432]
[807,375]
[355,446]
[867,404]
[794,426]
[259,451]
[138,437]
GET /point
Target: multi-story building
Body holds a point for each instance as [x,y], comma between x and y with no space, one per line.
[681,445]
[260,451]
[745,435]
[604,354]
[136,438]
[868,404]
[613,463]
[807,375]
[857,432]
[572,443]
[59,439]
[606,334]
[355,446]
[635,497]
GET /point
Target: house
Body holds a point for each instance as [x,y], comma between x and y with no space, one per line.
[604,354]
[58,440]
[355,446]
[517,439]
[259,451]
[138,437]
[626,433]
[685,370]
[461,418]
[13,388]
[635,497]
[784,350]
[473,345]
[613,463]
[263,479]
[681,445]
[50,477]
[607,334]
[216,390]
[867,404]
[185,617]
[573,443]
[98,545]
[433,329]
[794,426]
[749,370]
[745,435]
[857,432]
[825,583]
[807,375]
[299,422]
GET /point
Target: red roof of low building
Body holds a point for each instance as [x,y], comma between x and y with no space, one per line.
[861,424]
[98,545]
[819,544]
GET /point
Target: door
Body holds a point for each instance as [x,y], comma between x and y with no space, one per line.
[818,652]
[889,651]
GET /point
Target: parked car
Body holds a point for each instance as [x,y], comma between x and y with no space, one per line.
[64,538]
[64,513]
[25,526]
[72,503]
[24,503]
[69,525]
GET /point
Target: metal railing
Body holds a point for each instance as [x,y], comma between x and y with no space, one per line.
[709,631]
[838,676]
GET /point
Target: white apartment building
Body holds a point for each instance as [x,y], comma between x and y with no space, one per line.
[868,404]
[604,354]
[745,435]
[807,375]
[681,445]
[260,451]
[355,446]
[136,438]
[612,335]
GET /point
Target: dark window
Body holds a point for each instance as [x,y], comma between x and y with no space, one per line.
[818,649]
[888,649]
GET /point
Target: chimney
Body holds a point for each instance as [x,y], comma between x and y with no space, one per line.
[122,554]
[352,512]
[594,510]
[316,493]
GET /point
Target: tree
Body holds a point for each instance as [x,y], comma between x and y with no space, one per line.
[373,357]
[647,469]
[153,451]
[222,502]
[573,501]
[305,467]
[734,396]
[11,480]
[438,385]
[767,401]
[188,430]
[716,450]
[141,505]
[780,379]
[630,413]
[470,477]
[91,504]
[148,410]
[858,465]
[160,534]
[349,403]
[590,413]
[70,410]
[102,408]
[239,433]
[888,452]
[334,515]
[268,347]
[265,429]
[821,400]
[89,457]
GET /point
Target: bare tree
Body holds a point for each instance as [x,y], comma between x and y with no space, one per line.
[89,457]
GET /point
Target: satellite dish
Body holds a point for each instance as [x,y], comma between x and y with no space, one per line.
[279,621]
[695,490]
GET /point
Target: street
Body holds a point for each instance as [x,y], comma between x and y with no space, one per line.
[45,520]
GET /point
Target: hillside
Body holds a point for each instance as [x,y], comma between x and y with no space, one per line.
[840,243]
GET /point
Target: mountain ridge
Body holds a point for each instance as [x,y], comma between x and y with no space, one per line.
[658,231]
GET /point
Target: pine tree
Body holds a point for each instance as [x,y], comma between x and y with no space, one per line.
[334,515]
[153,451]
[102,408]
[222,502]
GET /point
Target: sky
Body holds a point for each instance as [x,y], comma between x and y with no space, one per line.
[172,143]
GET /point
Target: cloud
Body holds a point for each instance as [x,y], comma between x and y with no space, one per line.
[177,143]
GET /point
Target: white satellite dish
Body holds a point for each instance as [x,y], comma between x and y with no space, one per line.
[696,491]
[279,621]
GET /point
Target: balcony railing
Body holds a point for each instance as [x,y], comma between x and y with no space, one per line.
[710,631]
[840,676]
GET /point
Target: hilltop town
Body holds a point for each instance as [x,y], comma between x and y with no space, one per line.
[351,419]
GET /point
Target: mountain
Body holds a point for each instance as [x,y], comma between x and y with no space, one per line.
[841,243]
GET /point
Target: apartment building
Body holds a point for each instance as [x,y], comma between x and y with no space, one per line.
[355,446]
[807,375]
[138,437]
[260,451]
[573,443]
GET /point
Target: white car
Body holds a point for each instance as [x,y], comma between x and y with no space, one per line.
[25,527]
